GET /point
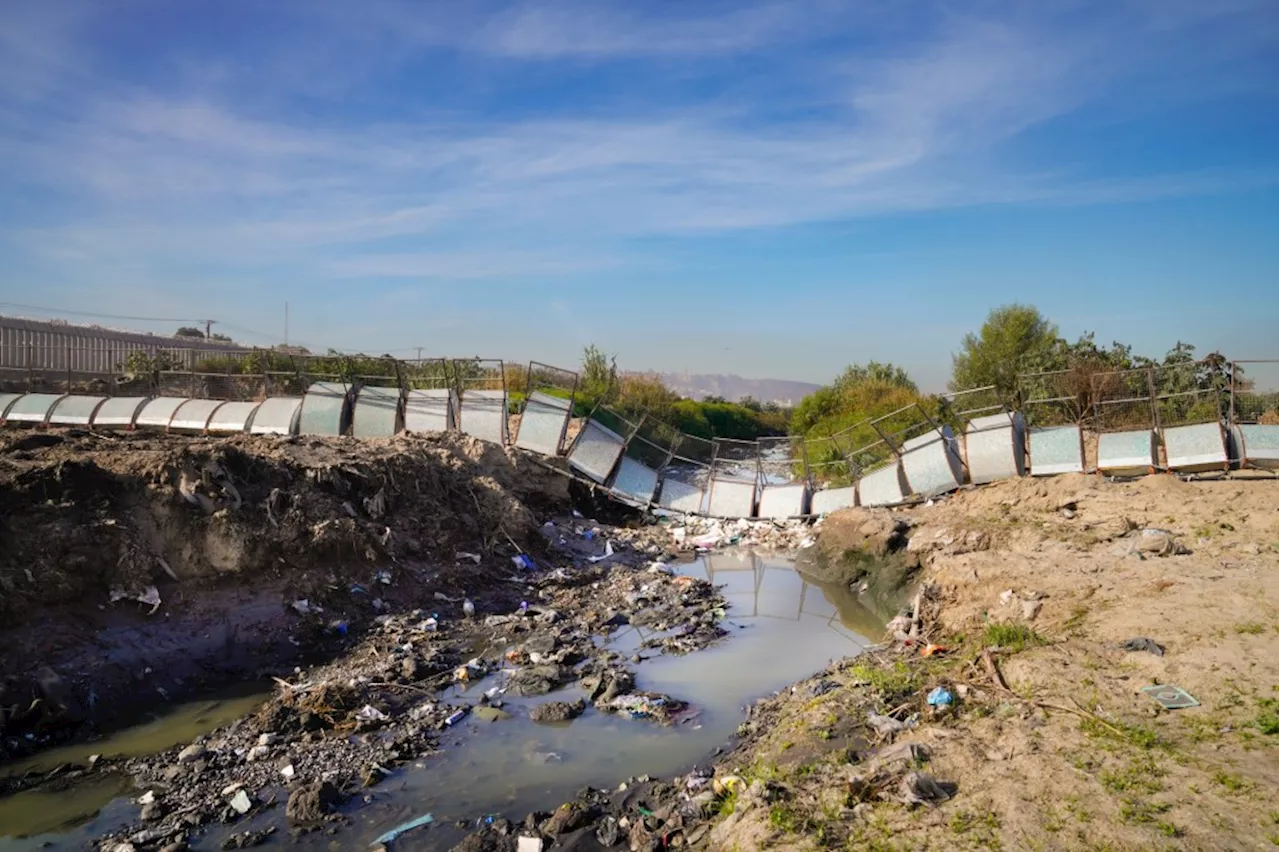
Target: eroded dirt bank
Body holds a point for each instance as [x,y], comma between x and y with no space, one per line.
[1044,739]
[135,570]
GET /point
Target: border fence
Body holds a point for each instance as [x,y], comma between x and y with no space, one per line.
[1193,418]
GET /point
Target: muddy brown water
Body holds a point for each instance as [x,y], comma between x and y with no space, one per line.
[782,628]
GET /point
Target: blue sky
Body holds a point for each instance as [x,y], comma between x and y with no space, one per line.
[771,189]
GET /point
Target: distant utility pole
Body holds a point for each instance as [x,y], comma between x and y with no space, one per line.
[208,327]
[419,354]
[286,323]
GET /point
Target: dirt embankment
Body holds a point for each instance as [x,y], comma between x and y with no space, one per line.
[1046,739]
[138,569]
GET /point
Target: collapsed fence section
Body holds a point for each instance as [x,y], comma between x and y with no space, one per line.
[1055,405]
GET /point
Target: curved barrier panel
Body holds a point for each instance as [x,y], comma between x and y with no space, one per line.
[1056,449]
[277,416]
[376,413]
[76,410]
[232,417]
[543,423]
[1127,453]
[995,447]
[430,410]
[1196,448]
[884,487]
[680,496]
[931,463]
[782,501]
[32,408]
[484,415]
[119,412]
[1257,445]
[634,481]
[732,498]
[829,500]
[157,413]
[194,414]
[6,400]
[594,453]
[325,407]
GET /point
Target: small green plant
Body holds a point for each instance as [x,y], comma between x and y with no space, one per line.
[1011,636]
[1231,782]
[1268,721]
[1252,628]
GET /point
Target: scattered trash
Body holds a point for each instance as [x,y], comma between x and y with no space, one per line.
[430,625]
[149,596]
[1142,643]
[884,724]
[147,797]
[369,713]
[241,803]
[339,627]
[920,789]
[1160,542]
[608,551]
[288,771]
[1031,609]
[1007,596]
[1170,697]
[468,608]
[303,607]
[930,649]
[524,561]
[391,834]
[939,697]
[727,784]
[462,554]
[383,577]
[455,717]
[529,844]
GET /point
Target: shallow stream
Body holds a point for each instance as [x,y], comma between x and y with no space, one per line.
[782,628]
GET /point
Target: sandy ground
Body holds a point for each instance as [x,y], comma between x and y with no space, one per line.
[1072,755]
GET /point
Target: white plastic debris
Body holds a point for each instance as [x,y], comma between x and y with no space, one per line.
[288,771]
[529,844]
[147,797]
[149,596]
[241,803]
[608,551]
[462,554]
[369,713]
[302,606]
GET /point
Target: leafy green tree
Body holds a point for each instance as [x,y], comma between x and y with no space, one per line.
[874,371]
[1014,339]
[599,376]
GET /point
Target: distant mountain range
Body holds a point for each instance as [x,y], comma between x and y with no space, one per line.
[734,388]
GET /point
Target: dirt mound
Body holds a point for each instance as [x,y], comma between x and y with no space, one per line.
[85,513]
[157,565]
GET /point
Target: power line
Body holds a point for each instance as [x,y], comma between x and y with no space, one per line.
[100,316]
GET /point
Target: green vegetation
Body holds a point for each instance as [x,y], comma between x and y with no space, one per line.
[634,394]
[1011,636]
[1014,339]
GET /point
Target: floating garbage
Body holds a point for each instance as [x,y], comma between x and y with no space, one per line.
[455,717]
[391,834]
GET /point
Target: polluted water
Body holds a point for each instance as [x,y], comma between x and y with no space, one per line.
[781,627]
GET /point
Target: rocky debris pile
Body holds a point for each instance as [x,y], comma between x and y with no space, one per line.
[332,730]
[714,534]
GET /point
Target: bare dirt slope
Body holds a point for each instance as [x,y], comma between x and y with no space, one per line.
[1056,574]
[137,568]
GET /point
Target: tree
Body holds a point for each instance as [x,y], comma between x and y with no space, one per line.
[874,371]
[1014,339]
[599,374]
[189,332]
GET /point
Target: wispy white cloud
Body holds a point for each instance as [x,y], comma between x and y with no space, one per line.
[224,177]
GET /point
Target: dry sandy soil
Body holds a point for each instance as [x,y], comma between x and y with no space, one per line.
[1057,573]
